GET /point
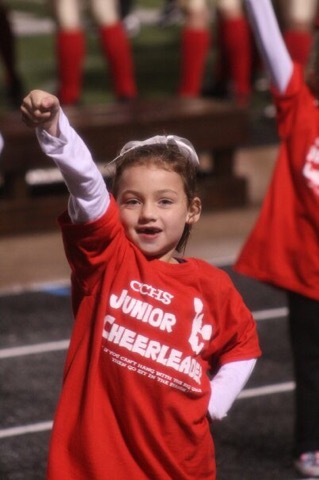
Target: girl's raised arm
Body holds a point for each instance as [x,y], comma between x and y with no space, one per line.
[89,197]
[270,42]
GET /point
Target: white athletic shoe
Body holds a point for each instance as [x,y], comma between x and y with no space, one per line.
[308,464]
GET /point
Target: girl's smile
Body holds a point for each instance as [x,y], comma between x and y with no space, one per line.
[154,209]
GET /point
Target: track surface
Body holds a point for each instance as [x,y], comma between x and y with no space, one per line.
[253,443]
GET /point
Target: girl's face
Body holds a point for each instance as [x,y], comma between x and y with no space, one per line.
[154,209]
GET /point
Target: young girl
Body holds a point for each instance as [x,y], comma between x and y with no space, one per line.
[161,344]
[283,248]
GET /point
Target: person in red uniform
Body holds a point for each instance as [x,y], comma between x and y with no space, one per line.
[70,48]
[283,247]
[162,344]
[233,41]
[298,18]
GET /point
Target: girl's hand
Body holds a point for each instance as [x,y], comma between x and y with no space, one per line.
[41,109]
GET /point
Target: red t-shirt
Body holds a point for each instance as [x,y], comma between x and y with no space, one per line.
[136,390]
[283,248]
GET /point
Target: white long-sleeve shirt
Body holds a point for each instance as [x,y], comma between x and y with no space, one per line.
[270,42]
[89,197]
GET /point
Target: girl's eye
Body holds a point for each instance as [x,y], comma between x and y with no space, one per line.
[131,201]
[166,201]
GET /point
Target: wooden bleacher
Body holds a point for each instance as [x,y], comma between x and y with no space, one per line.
[214,127]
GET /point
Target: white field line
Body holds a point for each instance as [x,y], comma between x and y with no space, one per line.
[23,429]
[249,393]
[270,313]
[267,390]
[41,287]
[31,349]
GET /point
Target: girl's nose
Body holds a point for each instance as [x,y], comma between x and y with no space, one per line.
[148,211]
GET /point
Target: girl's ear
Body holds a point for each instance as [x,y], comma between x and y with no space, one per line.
[194,211]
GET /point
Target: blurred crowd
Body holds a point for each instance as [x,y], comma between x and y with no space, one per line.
[221,25]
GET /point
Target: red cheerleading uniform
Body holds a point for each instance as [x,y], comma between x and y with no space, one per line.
[283,247]
[136,386]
